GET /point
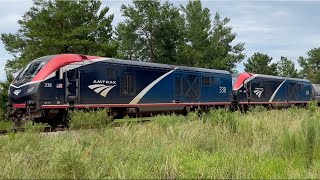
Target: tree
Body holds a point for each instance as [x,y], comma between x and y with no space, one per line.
[261,64]
[54,27]
[223,54]
[4,87]
[197,32]
[209,43]
[286,68]
[311,65]
[151,32]
[157,32]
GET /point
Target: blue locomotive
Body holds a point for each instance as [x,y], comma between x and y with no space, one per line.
[49,86]
[271,91]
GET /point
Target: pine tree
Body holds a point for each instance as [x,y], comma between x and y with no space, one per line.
[156,32]
[286,68]
[54,27]
[261,64]
[151,32]
[311,65]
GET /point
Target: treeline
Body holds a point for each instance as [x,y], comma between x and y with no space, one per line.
[310,65]
[152,31]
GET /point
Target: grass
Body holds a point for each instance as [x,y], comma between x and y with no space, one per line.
[5,125]
[219,144]
[84,119]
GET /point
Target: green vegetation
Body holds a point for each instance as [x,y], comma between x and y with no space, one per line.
[5,125]
[310,65]
[218,144]
[261,63]
[89,119]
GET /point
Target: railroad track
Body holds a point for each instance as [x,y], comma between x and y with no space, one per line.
[46,129]
[119,122]
[49,129]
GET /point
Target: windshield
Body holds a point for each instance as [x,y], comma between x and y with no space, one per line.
[30,70]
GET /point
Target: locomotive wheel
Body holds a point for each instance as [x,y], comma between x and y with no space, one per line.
[60,119]
[18,123]
[118,113]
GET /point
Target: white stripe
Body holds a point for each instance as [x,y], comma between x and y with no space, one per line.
[106,91]
[100,89]
[25,84]
[147,89]
[275,92]
[96,86]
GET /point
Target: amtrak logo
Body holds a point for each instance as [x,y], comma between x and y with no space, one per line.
[17,92]
[101,89]
[258,91]
[104,82]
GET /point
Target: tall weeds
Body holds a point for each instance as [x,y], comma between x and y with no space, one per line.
[84,119]
[282,144]
[311,131]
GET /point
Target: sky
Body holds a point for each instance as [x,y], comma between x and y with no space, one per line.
[277,28]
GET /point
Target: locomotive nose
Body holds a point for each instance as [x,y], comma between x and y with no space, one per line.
[22,94]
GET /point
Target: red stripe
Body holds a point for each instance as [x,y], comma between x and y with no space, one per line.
[55,106]
[60,61]
[154,104]
[19,105]
[240,80]
[280,102]
[148,105]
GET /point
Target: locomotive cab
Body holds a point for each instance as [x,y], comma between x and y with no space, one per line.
[23,90]
[41,89]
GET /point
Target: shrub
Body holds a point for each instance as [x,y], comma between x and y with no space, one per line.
[81,119]
[222,117]
[312,106]
[35,127]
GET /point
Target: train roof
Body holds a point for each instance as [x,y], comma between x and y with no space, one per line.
[164,66]
[279,77]
[54,62]
[245,77]
[45,58]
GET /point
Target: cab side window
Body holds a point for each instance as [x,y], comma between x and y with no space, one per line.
[127,84]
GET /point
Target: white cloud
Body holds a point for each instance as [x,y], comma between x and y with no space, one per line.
[8,23]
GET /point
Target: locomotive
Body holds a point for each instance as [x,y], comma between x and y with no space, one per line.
[49,87]
[271,91]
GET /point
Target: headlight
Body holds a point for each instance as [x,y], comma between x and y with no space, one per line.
[31,89]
